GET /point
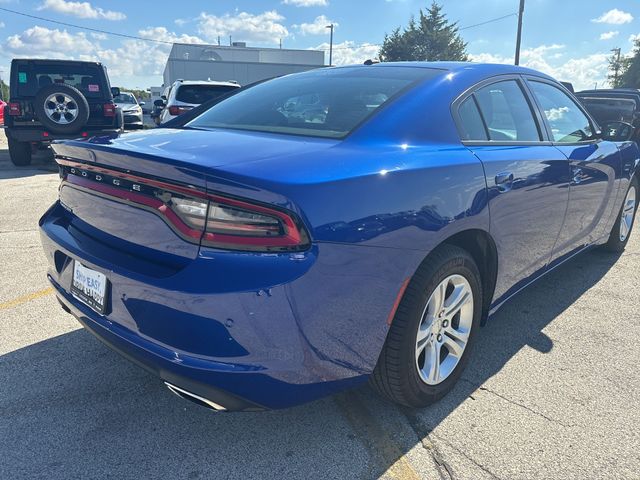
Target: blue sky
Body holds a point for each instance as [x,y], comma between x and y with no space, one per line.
[570,39]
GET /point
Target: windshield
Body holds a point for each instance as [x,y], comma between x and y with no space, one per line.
[606,110]
[324,103]
[89,79]
[198,94]
[124,98]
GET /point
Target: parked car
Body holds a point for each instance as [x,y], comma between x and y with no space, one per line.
[183,95]
[131,110]
[619,108]
[255,258]
[57,99]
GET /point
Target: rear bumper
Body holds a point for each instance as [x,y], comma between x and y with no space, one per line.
[245,331]
[38,134]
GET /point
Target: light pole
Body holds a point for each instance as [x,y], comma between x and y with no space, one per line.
[331,45]
[519,36]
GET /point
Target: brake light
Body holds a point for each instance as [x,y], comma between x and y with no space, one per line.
[109,110]
[175,110]
[238,225]
[15,109]
[211,219]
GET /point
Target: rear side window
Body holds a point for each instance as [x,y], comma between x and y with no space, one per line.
[201,93]
[472,124]
[89,79]
[507,113]
[568,123]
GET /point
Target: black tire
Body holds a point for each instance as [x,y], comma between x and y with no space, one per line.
[20,152]
[78,101]
[615,242]
[396,374]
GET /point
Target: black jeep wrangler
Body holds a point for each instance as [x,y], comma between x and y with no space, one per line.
[57,99]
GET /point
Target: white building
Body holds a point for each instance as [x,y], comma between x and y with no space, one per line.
[238,62]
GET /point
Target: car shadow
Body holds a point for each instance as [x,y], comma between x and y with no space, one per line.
[42,163]
[70,407]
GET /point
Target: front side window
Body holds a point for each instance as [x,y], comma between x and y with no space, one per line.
[326,103]
[568,123]
[507,113]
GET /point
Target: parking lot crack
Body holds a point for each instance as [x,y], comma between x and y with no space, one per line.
[518,404]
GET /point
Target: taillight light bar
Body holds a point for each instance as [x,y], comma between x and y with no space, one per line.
[211,219]
[15,109]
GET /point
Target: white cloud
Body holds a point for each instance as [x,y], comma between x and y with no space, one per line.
[265,27]
[318,27]
[608,35]
[614,17]
[43,42]
[306,3]
[633,38]
[81,10]
[348,53]
[583,72]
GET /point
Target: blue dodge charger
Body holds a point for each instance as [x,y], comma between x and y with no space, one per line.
[312,232]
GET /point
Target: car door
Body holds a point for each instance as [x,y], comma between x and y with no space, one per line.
[594,165]
[527,177]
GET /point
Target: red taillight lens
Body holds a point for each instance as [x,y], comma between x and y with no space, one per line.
[211,219]
[15,109]
[109,110]
[238,225]
[174,110]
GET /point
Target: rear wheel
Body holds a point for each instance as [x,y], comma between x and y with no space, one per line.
[621,230]
[20,152]
[433,330]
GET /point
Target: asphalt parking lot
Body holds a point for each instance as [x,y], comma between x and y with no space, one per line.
[551,390]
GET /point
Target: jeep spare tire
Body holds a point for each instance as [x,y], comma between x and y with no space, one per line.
[61,108]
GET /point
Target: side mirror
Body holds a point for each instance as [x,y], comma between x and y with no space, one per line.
[618,131]
[163,97]
[159,103]
[141,103]
[115,91]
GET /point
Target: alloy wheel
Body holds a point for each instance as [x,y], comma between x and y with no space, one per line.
[444,329]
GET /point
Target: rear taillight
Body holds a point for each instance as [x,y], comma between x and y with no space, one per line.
[175,110]
[15,109]
[238,225]
[109,110]
[214,220]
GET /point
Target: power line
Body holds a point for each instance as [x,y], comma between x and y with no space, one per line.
[166,42]
[515,14]
[106,32]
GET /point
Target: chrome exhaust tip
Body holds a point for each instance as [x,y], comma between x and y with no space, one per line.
[192,397]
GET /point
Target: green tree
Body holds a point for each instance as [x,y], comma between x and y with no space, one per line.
[4,91]
[630,69]
[432,37]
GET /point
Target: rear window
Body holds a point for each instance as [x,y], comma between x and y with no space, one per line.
[198,94]
[326,103]
[606,110]
[89,79]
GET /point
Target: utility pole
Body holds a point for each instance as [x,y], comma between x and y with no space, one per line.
[616,66]
[519,37]
[331,45]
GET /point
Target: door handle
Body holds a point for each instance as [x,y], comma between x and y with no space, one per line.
[504,181]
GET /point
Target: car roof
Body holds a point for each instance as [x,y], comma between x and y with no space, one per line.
[480,68]
[206,82]
[55,60]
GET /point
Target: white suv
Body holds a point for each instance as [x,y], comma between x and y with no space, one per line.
[186,94]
